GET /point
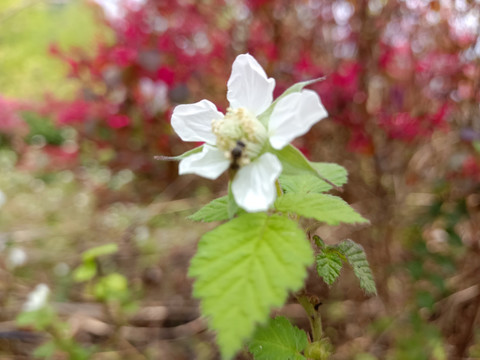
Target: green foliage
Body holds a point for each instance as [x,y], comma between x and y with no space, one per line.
[88,269]
[419,340]
[325,208]
[75,351]
[216,210]
[85,271]
[45,351]
[232,206]
[244,268]
[40,125]
[101,250]
[308,182]
[293,161]
[357,258]
[40,319]
[112,287]
[476,146]
[28,28]
[46,319]
[329,263]
[278,340]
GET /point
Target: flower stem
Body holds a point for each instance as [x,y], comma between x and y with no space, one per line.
[313,317]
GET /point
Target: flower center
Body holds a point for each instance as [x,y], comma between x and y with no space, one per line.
[240,135]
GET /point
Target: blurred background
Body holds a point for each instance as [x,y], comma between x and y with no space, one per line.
[86,93]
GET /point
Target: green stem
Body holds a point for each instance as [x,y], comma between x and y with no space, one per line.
[313,317]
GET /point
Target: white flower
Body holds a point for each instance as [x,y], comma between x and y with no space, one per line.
[238,140]
[16,257]
[37,298]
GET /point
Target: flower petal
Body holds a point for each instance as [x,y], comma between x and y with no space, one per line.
[193,122]
[249,86]
[254,185]
[293,116]
[210,163]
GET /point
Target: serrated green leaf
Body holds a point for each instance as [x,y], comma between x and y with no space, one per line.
[357,258]
[244,268]
[216,210]
[278,340]
[308,182]
[329,265]
[294,163]
[265,116]
[179,157]
[325,208]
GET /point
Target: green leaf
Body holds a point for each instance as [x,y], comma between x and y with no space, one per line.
[319,242]
[309,182]
[244,268]
[97,251]
[40,319]
[476,146]
[86,271]
[45,351]
[111,287]
[265,116]
[179,157]
[278,340]
[216,210]
[232,206]
[329,264]
[293,161]
[325,208]
[357,258]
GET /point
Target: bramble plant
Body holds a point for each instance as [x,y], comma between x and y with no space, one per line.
[248,265]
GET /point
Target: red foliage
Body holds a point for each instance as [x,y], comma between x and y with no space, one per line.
[10,120]
[385,75]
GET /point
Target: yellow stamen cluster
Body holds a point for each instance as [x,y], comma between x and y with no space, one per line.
[239,125]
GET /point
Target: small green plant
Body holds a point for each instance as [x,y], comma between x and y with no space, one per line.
[41,316]
[110,288]
[248,265]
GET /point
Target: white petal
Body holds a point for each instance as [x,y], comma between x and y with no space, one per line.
[193,122]
[293,116]
[249,86]
[254,185]
[210,163]
[37,298]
